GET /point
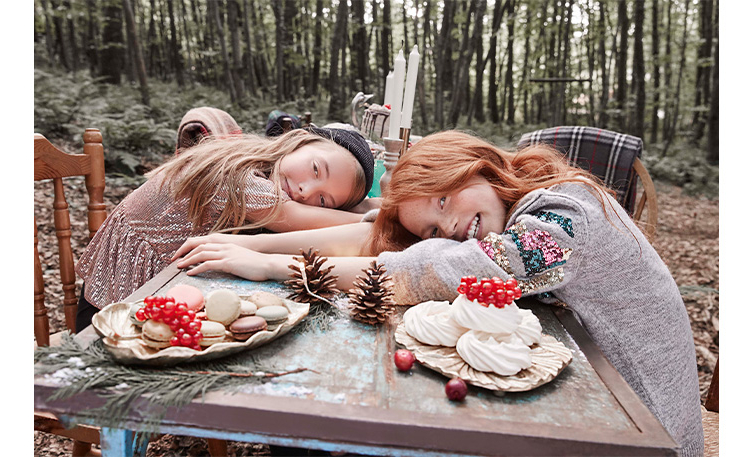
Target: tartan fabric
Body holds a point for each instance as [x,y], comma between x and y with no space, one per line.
[204,121]
[606,154]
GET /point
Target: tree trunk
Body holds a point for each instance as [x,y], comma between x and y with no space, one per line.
[713,115]
[443,59]
[60,42]
[564,63]
[656,103]
[71,36]
[386,56]
[359,51]
[511,107]
[175,46]
[703,71]
[639,71]
[405,20]
[602,29]
[214,6]
[622,65]
[467,51]
[289,50]
[317,47]
[247,60]
[233,14]
[676,110]
[113,51]
[525,70]
[135,45]
[422,64]
[338,40]
[667,73]
[153,46]
[49,40]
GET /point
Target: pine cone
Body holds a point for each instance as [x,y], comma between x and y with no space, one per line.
[319,281]
[371,297]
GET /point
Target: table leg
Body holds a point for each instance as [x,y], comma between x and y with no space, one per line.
[117,442]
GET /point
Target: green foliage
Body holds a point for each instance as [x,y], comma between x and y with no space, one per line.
[687,167]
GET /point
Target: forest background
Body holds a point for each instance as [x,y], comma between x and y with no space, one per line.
[499,68]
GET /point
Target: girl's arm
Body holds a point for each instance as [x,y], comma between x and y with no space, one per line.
[296,216]
[342,240]
[257,266]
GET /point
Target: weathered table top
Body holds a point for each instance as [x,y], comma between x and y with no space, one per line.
[357,401]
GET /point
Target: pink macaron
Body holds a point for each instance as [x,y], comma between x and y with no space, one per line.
[190,295]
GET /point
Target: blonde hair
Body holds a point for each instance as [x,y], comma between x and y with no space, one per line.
[200,172]
[443,163]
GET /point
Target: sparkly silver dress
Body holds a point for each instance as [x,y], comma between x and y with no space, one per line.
[142,233]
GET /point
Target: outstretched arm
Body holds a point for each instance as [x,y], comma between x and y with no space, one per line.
[342,240]
[296,216]
[257,266]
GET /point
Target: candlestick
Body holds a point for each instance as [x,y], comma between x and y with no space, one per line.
[411,87]
[390,158]
[399,71]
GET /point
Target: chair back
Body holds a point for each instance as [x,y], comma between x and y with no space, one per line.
[612,157]
[52,163]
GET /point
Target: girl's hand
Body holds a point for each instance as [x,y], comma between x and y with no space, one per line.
[213,238]
[236,260]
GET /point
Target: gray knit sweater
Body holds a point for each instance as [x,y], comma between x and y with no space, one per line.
[561,247]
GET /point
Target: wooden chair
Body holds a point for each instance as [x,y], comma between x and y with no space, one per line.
[52,163]
[614,158]
[710,414]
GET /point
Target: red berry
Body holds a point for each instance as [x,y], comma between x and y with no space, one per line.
[156,314]
[511,283]
[180,331]
[159,301]
[168,300]
[404,359]
[193,327]
[174,341]
[462,288]
[186,339]
[140,315]
[180,310]
[198,336]
[191,314]
[196,346]
[148,300]
[518,293]
[456,389]
[185,320]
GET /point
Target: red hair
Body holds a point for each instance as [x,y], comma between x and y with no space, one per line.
[443,163]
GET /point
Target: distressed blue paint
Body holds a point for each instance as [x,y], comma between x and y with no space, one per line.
[303,443]
[116,442]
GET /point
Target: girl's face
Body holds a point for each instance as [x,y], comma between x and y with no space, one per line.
[319,174]
[471,212]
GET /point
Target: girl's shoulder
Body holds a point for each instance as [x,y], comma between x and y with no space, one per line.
[575,196]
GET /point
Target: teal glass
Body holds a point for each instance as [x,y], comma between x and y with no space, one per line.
[379,170]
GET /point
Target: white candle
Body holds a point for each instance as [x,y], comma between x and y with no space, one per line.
[399,72]
[411,87]
[388,100]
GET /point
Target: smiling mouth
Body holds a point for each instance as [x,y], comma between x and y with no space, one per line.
[287,189]
[473,231]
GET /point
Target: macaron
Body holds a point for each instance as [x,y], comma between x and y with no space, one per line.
[274,315]
[213,332]
[247,308]
[262,299]
[156,334]
[190,295]
[245,327]
[222,305]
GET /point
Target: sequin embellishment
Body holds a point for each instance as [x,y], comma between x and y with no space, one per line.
[492,245]
[562,221]
[538,250]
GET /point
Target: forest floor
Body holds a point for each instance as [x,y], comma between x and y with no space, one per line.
[687,240]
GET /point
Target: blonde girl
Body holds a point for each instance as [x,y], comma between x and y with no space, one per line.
[297,181]
[457,205]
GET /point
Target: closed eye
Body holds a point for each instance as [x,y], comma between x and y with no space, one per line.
[315,169]
[433,234]
[322,201]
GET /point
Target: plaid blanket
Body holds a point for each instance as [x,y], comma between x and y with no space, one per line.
[606,154]
[202,122]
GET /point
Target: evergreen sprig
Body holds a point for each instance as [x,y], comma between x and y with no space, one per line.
[94,368]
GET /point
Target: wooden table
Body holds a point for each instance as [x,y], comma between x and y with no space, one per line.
[359,403]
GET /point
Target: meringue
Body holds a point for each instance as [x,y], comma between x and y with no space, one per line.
[529,330]
[472,315]
[431,323]
[483,352]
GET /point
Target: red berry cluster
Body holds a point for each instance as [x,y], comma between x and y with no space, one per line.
[177,316]
[488,291]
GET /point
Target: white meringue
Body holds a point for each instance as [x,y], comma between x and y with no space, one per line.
[431,323]
[472,315]
[483,352]
[529,330]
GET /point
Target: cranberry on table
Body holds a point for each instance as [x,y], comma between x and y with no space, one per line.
[456,389]
[404,359]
